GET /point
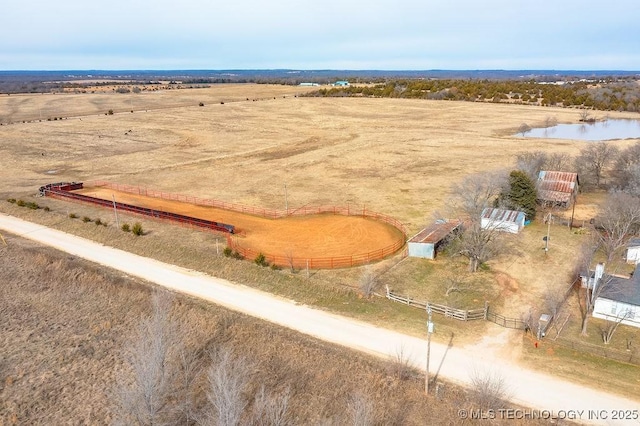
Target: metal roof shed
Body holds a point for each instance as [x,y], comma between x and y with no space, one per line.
[426,242]
[502,220]
[557,188]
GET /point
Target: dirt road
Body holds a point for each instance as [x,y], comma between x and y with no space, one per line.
[528,388]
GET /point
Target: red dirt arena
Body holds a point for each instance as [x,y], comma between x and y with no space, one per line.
[318,240]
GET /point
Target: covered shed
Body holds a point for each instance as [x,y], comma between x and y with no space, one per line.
[502,220]
[426,242]
[557,188]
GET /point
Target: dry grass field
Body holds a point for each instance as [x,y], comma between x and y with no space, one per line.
[67,326]
[393,156]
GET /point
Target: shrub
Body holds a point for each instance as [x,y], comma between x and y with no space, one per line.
[236,255]
[98,221]
[110,112]
[137,229]
[227,252]
[72,215]
[125,227]
[11,200]
[32,205]
[86,219]
[261,260]
[275,267]
[47,209]
[201,104]
[20,203]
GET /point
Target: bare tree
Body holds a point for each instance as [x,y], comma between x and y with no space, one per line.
[593,160]
[271,409]
[559,162]
[189,367]
[455,280]
[619,219]
[471,197]
[550,121]
[479,244]
[489,389]
[478,191]
[524,128]
[627,167]
[585,115]
[228,380]
[399,364]
[368,281]
[143,396]
[531,163]
[611,326]
[361,410]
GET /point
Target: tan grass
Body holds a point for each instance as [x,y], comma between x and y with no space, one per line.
[398,157]
[66,323]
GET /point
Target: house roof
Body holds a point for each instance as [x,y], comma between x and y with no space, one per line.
[634,242]
[435,233]
[624,290]
[556,186]
[500,215]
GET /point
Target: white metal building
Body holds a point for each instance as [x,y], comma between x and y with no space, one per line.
[502,220]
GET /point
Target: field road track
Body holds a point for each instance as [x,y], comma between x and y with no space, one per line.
[528,388]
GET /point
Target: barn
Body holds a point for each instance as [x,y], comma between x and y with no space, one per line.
[425,243]
[633,251]
[502,220]
[557,188]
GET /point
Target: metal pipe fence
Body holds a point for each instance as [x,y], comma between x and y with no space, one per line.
[293,262]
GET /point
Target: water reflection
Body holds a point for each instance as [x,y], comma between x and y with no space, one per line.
[596,131]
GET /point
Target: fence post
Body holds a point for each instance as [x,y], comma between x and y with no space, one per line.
[486,309]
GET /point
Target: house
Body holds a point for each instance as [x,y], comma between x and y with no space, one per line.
[502,220]
[341,83]
[557,188]
[632,254]
[620,299]
[426,242]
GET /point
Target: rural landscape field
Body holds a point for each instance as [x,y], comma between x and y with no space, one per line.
[271,147]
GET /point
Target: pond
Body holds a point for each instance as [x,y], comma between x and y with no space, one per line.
[589,131]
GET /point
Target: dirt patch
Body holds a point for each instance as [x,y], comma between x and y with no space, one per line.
[507,282]
[302,237]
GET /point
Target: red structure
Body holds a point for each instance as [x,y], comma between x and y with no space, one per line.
[63,190]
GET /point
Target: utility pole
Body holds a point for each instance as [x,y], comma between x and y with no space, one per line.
[115,211]
[546,241]
[429,331]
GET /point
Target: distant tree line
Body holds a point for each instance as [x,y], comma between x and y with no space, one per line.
[610,94]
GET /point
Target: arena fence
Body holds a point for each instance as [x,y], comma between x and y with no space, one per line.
[262,212]
[248,253]
[334,262]
[62,190]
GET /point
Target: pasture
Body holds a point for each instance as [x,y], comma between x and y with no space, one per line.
[267,147]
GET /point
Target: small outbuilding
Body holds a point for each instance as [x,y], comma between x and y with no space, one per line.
[425,243]
[502,220]
[633,251]
[341,83]
[557,188]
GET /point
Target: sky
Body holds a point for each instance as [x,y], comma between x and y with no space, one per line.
[329,34]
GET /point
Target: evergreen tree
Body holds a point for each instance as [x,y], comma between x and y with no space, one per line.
[522,194]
